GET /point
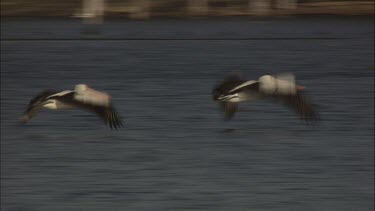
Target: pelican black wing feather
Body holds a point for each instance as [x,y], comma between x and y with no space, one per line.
[302,107]
[109,116]
[229,109]
[226,85]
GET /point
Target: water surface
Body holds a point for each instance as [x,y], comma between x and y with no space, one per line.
[175,151]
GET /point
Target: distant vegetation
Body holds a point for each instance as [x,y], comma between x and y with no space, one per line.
[174,8]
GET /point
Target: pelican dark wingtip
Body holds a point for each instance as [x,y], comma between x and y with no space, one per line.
[24,119]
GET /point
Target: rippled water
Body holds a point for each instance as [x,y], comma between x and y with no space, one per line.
[175,151]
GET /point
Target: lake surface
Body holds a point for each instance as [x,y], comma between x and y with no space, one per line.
[175,152]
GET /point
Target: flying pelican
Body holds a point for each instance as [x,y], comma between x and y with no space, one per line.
[234,90]
[82,97]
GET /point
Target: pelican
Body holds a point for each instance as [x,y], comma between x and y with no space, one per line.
[233,90]
[82,97]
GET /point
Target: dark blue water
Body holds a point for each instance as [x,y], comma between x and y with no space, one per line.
[175,151]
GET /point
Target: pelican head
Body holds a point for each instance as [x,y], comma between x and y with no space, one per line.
[81,87]
[216,94]
[36,104]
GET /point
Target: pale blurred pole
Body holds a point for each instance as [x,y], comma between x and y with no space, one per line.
[93,11]
[259,7]
[286,4]
[141,9]
[198,7]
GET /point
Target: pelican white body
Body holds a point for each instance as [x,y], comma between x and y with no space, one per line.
[283,85]
[91,96]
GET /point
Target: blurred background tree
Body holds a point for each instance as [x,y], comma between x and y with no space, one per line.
[182,8]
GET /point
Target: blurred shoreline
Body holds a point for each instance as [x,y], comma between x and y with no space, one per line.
[129,9]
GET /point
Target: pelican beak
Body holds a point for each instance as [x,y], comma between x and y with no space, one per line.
[24,119]
[30,113]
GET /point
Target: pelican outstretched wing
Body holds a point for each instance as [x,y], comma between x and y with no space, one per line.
[251,85]
[229,109]
[301,106]
[109,116]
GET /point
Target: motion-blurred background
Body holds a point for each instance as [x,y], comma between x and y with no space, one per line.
[160,60]
[183,8]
